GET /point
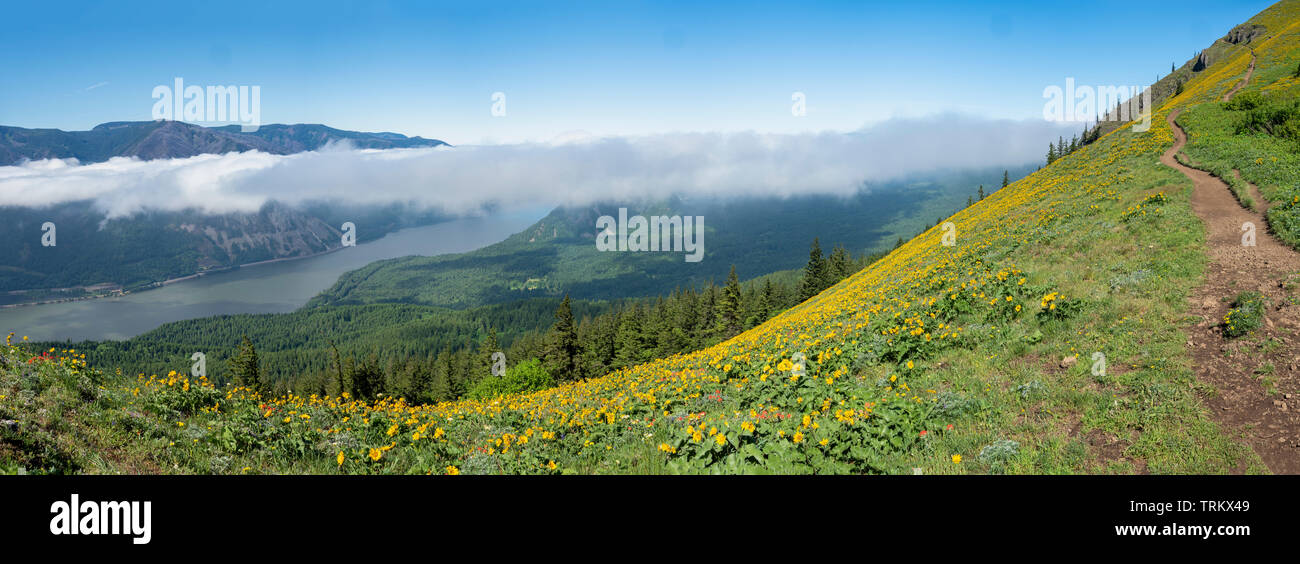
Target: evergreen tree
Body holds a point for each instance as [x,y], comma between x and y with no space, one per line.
[368,380]
[981,192]
[338,367]
[629,344]
[246,368]
[707,306]
[1006,178]
[688,319]
[768,301]
[562,351]
[1051,153]
[814,273]
[445,371]
[420,385]
[598,345]
[491,345]
[841,265]
[729,307]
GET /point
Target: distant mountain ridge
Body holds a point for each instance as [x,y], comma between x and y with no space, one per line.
[174,139]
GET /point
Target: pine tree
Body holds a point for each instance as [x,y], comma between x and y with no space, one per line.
[338,366]
[1051,153]
[1006,178]
[729,306]
[562,351]
[841,265]
[980,193]
[765,301]
[246,368]
[707,306]
[629,348]
[598,345]
[420,384]
[814,273]
[446,372]
[368,380]
[491,345]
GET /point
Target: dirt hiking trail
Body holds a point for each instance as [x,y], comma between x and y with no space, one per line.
[1257,376]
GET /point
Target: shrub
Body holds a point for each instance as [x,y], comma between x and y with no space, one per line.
[1246,315]
[1280,118]
[527,376]
[1248,100]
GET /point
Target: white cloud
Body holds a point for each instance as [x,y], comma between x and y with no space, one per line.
[463,179]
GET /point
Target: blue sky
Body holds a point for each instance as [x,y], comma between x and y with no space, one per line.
[604,68]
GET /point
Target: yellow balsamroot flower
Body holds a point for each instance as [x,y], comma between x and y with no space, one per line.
[721,439]
[956,459]
[375,454]
[798,437]
[340,458]
[454,471]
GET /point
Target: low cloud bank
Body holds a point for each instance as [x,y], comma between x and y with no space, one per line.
[465,179]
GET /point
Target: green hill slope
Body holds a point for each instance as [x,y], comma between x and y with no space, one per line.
[1049,339]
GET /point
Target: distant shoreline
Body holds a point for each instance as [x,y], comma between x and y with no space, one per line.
[117,291]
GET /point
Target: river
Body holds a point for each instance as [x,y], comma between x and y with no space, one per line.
[274,287]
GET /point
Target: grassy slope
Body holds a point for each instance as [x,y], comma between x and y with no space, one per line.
[1270,163]
[928,337]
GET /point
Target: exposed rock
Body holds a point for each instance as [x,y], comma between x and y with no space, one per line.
[1202,62]
[1244,33]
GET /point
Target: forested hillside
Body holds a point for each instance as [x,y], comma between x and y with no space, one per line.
[558,256]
